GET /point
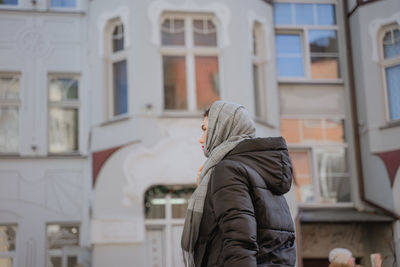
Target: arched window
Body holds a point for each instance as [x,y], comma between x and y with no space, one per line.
[165,209]
[116,61]
[190,58]
[259,71]
[390,62]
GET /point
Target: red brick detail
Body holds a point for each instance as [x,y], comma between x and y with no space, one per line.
[98,160]
[391,159]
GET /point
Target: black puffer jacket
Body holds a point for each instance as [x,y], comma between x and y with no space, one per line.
[246,220]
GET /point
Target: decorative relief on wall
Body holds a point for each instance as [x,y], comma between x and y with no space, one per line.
[33,43]
[221,11]
[57,190]
[374,28]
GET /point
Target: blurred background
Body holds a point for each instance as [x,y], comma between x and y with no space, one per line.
[101,105]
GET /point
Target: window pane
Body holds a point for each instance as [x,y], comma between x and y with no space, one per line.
[334,130]
[333,175]
[9,87]
[9,2]
[302,173]
[393,91]
[59,236]
[63,3]
[323,41]
[205,33]
[120,88]
[179,205]
[282,13]
[63,130]
[290,67]
[6,262]
[55,262]
[207,81]
[154,202]
[63,89]
[7,237]
[288,44]
[289,55]
[173,32]
[175,93]
[118,37]
[304,14]
[391,44]
[326,14]
[9,129]
[325,68]
[72,261]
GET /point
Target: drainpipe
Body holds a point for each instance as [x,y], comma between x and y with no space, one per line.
[354,113]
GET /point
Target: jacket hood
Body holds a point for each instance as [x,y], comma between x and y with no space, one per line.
[269,157]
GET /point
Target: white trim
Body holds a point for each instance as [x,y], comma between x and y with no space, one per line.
[121,12]
[221,11]
[374,27]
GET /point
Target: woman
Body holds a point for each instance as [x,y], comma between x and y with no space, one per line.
[237,216]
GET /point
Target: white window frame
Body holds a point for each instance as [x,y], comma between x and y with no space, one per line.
[66,251]
[385,63]
[11,254]
[64,104]
[312,149]
[190,51]
[111,58]
[15,103]
[259,60]
[303,30]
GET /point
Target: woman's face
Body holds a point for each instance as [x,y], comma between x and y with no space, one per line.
[204,127]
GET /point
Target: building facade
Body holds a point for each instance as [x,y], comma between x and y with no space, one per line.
[101,104]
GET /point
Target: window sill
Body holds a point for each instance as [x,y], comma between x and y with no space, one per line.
[317,206]
[116,119]
[390,124]
[49,156]
[32,10]
[181,114]
[264,123]
[303,81]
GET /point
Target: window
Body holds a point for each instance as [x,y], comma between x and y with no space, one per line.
[63,113]
[8,235]
[190,57]
[9,112]
[165,211]
[117,69]
[259,70]
[306,41]
[63,3]
[9,2]
[63,245]
[390,61]
[318,151]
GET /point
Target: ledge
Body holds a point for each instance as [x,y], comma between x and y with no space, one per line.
[389,125]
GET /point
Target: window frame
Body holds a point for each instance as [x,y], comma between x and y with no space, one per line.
[110,58]
[259,59]
[189,50]
[72,104]
[304,29]
[5,6]
[66,251]
[312,148]
[13,103]
[11,254]
[385,63]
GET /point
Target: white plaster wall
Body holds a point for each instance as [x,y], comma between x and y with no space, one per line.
[34,192]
